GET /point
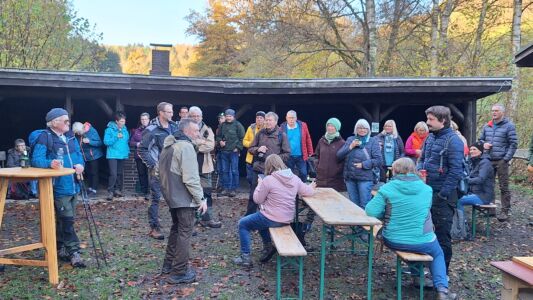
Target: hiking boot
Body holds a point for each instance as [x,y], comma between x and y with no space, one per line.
[155,233]
[109,196]
[118,194]
[445,294]
[75,260]
[91,191]
[266,254]
[147,196]
[63,255]
[428,284]
[167,267]
[211,223]
[188,277]
[503,216]
[222,192]
[244,260]
[232,193]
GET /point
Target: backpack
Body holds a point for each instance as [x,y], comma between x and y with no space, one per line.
[34,137]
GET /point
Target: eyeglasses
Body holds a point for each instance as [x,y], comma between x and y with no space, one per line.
[66,122]
[168,112]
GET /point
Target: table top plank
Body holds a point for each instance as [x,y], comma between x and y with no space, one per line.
[32,173]
[526,261]
[335,209]
[517,270]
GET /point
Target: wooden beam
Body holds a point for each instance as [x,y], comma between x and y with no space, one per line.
[383,114]
[21,249]
[469,123]
[118,104]
[363,111]
[457,112]
[68,105]
[105,107]
[242,110]
[23,262]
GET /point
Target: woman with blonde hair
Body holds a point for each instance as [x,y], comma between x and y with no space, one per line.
[392,148]
[410,227]
[275,194]
[415,142]
[455,128]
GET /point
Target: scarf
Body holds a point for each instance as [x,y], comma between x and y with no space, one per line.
[331,136]
[418,141]
[363,138]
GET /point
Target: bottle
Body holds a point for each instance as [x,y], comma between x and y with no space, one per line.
[24,160]
[59,156]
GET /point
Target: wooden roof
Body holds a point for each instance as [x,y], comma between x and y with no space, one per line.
[524,57]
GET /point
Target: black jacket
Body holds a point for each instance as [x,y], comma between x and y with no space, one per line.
[481,179]
[153,139]
[503,138]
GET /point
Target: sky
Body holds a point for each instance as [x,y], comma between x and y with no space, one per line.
[125,22]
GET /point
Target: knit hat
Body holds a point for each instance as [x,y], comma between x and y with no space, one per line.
[55,113]
[335,122]
[260,114]
[230,112]
[478,145]
[221,115]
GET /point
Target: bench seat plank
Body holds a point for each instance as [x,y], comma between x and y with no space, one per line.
[286,241]
[412,257]
[486,206]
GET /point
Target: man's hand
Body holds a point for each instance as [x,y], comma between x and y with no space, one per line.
[85,141]
[202,209]
[313,184]
[487,146]
[79,169]
[263,149]
[358,165]
[56,164]
[418,152]
[222,144]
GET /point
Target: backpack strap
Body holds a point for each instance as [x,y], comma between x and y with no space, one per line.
[443,152]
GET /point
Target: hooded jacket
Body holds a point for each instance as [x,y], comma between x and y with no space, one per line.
[232,133]
[410,203]
[45,150]
[178,172]
[276,142]
[481,178]
[205,145]
[92,150]
[153,139]
[117,148]
[275,195]
[136,138]
[358,155]
[503,138]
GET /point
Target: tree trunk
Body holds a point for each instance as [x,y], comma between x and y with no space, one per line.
[479,35]
[393,37]
[372,37]
[444,49]
[515,46]
[434,59]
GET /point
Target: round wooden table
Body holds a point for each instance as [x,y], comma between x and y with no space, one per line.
[48,224]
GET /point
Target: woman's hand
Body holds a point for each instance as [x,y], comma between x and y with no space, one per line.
[358,165]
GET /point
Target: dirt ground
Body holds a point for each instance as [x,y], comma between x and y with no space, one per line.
[135,259]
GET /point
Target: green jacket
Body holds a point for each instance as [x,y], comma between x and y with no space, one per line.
[232,133]
[410,217]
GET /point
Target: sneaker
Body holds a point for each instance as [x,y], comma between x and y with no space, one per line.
[503,216]
[232,193]
[118,194]
[75,260]
[63,255]
[109,196]
[188,277]
[243,260]
[222,192]
[428,284]
[91,191]
[267,253]
[211,223]
[155,233]
[146,196]
[445,294]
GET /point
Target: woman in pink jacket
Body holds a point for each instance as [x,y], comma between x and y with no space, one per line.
[275,194]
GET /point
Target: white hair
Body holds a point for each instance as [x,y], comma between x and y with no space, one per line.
[394,129]
[196,110]
[77,128]
[423,125]
[273,115]
[291,113]
[361,123]
[501,106]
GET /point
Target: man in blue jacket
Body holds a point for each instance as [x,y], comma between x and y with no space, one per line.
[442,158]
[57,148]
[500,141]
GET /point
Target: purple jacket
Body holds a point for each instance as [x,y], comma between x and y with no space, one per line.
[136,137]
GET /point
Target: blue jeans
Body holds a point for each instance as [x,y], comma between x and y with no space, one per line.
[230,170]
[249,173]
[471,199]
[298,166]
[437,267]
[359,191]
[255,221]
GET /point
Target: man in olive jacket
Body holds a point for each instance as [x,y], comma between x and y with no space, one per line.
[180,184]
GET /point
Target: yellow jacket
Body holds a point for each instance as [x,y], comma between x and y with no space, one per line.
[248,139]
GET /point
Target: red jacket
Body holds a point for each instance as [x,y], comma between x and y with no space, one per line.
[307,144]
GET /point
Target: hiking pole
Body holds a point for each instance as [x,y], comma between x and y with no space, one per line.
[90,219]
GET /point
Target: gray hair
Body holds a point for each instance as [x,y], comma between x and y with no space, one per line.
[144,114]
[77,128]
[423,125]
[403,165]
[195,109]
[501,106]
[292,113]
[394,129]
[161,106]
[273,115]
[361,123]
[185,123]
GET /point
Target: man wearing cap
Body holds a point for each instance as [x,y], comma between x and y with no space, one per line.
[57,148]
[229,138]
[252,130]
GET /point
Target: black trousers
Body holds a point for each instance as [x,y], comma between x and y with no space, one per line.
[142,172]
[442,215]
[116,175]
[91,169]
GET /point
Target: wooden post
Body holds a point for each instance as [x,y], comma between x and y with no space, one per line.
[48,224]
[242,110]
[68,105]
[105,107]
[118,104]
[363,111]
[469,127]
[3,194]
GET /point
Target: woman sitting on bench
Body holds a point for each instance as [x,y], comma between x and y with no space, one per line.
[410,227]
[275,194]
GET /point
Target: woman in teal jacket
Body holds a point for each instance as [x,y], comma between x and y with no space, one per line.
[116,139]
[410,227]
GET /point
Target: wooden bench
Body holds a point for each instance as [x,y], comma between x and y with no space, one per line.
[517,275]
[484,210]
[290,253]
[417,261]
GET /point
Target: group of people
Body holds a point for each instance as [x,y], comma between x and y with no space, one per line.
[175,160]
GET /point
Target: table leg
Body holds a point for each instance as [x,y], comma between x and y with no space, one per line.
[322,260]
[48,228]
[3,194]
[370,262]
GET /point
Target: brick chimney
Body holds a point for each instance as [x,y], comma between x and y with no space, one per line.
[160,59]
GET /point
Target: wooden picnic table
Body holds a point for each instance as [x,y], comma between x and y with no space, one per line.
[336,210]
[516,274]
[48,224]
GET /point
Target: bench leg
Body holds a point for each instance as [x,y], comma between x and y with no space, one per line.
[474,217]
[322,260]
[487,223]
[278,277]
[370,262]
[398,278]
[421,278]
[301,277]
